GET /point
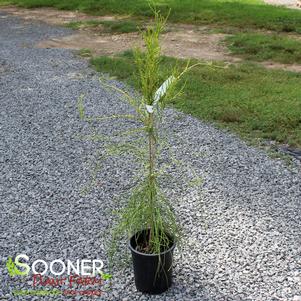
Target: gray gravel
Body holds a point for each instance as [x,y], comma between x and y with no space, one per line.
[242,231]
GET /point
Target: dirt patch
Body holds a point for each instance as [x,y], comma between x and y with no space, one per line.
[180,40]
[287,67]
[183,41]
[53,16]
[287,3]
[181,44]
[195,43]
[98,44]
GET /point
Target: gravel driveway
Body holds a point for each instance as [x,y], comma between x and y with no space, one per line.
[242,232]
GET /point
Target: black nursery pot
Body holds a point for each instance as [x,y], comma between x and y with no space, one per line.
[152,276]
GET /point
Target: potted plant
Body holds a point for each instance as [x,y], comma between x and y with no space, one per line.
[147,219]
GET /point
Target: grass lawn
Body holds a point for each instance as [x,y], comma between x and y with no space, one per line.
[252,101]
[263,47]
[242,14]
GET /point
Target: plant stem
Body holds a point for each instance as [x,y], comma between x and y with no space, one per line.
[152,163]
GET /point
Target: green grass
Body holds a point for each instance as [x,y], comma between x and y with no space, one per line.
[263,47]
[85,52]
[241,14]
[118,26]
[248,99]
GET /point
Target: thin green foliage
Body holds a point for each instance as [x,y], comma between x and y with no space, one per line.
[147,208]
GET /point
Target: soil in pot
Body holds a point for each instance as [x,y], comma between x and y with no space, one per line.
[153,272]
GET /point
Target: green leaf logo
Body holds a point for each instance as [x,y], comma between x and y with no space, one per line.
[12,269]
[105,276]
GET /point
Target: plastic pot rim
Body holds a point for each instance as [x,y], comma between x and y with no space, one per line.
[151,255]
